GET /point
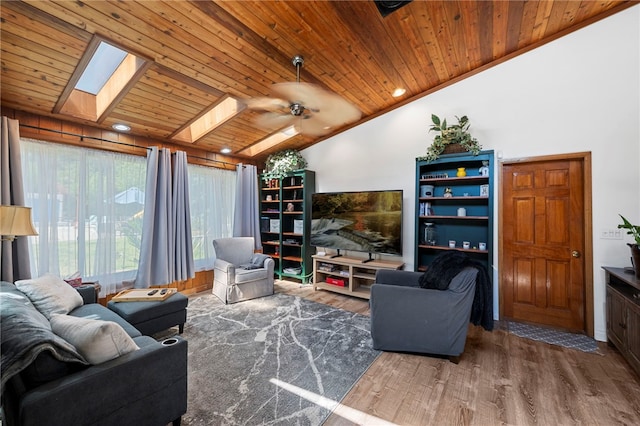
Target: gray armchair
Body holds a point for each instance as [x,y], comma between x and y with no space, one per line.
[408,318]
[239,273]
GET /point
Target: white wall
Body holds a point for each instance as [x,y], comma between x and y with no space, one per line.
[579,93]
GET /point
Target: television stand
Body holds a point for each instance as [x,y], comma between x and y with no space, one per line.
[348,275]
[370,259]
[336,255]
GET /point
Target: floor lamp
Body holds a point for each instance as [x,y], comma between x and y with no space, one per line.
[15,221]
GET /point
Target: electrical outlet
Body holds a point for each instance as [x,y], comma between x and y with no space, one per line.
[611,234]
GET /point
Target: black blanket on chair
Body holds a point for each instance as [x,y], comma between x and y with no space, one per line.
[449,264]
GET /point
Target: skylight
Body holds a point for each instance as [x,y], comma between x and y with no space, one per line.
[209,120]
[102,79]
[270,141]
[104,62]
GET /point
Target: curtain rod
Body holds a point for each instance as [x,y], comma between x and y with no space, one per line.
[82,137]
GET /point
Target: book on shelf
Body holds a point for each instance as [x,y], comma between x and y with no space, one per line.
[326,267]
[264,224]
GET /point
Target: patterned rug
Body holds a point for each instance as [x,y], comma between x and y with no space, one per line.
[273,360]
[553,337]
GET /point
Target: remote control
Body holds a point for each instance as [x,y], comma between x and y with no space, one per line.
[152,292]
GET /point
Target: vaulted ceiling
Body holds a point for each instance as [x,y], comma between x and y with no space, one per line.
[200,52]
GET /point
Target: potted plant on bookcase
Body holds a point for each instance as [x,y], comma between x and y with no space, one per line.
[633,230]
[450,138]
[280,164]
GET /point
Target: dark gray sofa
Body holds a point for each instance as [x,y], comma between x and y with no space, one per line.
[145,387]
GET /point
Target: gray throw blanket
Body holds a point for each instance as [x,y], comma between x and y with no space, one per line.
[449,264]
[25,333]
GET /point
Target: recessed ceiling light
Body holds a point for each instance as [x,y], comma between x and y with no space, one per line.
[225,150]
[398,92]
[121,127]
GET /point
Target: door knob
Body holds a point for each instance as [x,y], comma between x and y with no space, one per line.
[575,253]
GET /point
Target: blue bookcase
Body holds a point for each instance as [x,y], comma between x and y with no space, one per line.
[456,208]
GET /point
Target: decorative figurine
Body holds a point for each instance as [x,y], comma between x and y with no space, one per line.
[484,170]
[448,193]
[290,207]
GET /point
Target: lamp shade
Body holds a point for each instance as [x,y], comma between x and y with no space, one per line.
[16,221]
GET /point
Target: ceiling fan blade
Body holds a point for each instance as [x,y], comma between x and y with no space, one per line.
[272,120]
[267,104]
[329,108]
[302,93]
[334,110]
[324,111]
[312,127]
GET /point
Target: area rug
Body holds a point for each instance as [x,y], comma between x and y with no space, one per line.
[553,337]
[273,360]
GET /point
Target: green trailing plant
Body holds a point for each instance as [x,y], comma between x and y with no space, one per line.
[280,164]
[455,133]
[633,230]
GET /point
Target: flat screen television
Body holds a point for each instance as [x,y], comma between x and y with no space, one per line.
[365,221]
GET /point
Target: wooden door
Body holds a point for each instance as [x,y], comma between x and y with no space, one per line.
[543,243]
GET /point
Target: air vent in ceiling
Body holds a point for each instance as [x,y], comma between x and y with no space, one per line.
[387,6]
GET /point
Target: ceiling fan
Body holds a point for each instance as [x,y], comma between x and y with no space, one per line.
[312,110]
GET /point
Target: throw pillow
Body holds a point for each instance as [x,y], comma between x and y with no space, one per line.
[50,294]
[97,341]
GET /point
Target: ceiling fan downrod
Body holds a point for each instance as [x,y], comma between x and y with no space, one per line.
[296,108]
[297,62]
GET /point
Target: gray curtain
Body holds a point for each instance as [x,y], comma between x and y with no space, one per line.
[184,264]
[14,255]
[166,253]
[246,218]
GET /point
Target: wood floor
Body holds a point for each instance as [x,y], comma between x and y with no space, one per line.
[501,379]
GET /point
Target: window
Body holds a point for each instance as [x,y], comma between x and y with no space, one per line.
[212,196]
[87,207]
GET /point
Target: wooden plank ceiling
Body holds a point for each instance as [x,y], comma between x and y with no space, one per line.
[201,51]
